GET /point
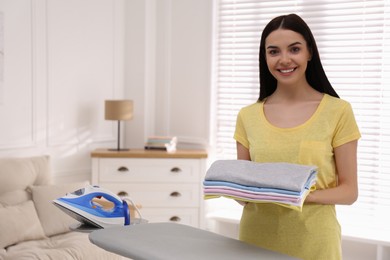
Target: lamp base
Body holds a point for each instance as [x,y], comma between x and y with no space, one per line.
[119,150]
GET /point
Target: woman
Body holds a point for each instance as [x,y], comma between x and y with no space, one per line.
[298,118]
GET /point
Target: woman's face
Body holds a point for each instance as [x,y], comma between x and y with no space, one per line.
[287,55]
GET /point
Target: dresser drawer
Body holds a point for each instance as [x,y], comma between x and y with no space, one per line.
[150,170]
[157,195]
[187,216]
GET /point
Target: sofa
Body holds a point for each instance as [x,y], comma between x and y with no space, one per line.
[31,227]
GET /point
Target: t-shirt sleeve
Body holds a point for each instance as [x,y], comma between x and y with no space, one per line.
[347,129]
[240,132]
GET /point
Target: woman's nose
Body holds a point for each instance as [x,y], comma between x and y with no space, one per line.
[285,58]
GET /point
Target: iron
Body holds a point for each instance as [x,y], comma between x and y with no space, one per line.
[95,206]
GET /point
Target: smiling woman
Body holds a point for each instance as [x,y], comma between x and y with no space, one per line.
[292,111]
[351,37]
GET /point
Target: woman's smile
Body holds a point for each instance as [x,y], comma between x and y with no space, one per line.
[287,71]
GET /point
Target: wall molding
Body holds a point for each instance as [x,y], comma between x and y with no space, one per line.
[18,75]
[80,120]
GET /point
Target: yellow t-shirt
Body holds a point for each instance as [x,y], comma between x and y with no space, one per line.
[313,233]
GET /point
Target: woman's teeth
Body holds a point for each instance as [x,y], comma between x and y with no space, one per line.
[287,71]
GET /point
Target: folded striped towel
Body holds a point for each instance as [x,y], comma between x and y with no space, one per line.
[281,183]
[279,175]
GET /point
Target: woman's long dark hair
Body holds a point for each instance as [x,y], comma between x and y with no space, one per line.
[315,74]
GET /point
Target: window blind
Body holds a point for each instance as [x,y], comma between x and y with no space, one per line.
[353,39]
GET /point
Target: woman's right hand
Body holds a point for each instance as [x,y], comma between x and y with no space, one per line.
[242,203]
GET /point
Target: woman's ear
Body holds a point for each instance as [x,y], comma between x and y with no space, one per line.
[310,54]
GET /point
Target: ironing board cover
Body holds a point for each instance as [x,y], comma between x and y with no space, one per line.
[170,241]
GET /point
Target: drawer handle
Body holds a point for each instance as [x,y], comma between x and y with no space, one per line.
[176,170]
[175,194]
[175,219]
[123,194]
[123,169]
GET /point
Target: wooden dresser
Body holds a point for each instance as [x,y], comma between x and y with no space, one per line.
[167,185]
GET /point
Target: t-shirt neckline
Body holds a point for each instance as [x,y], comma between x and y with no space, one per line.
[311,118]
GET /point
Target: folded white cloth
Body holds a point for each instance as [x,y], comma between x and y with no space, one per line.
[278,175]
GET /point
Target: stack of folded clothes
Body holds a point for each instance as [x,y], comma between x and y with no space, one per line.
[283,183]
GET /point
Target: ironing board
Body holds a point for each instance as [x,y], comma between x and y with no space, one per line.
[170,241]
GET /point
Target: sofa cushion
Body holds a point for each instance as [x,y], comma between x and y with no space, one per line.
[19,173]
[54,221]
[14,197]
[68,246]
[19,223]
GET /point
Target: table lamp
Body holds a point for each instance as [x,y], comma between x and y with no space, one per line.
[118,110]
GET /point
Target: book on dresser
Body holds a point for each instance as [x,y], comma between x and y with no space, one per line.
[160,143]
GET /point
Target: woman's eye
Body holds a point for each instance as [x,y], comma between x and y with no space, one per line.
[272,52]
[295,49]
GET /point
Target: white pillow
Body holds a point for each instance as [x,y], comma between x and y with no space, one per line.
[14,197]
[54,221]
[19,223]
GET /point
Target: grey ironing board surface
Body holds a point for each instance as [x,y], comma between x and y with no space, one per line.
[170,241]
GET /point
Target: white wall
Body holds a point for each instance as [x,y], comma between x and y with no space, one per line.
[62,59]
[168,63]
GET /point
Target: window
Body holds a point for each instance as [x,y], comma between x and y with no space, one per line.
[353,39]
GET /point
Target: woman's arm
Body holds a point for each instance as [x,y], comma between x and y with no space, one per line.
[242,152]
[346,191]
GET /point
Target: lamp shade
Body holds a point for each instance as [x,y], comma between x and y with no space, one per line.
[118,109]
